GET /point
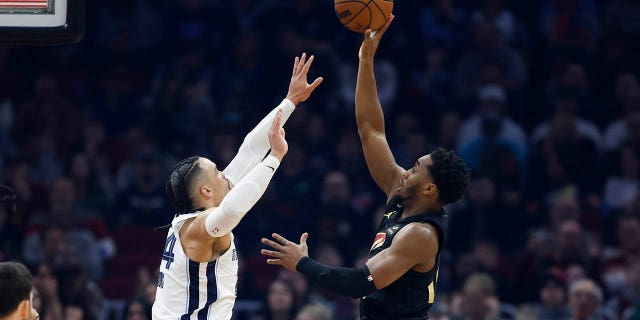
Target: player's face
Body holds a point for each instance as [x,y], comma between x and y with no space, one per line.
[416,179]
[219,183]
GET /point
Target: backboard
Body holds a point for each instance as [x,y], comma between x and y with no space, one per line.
[41,22]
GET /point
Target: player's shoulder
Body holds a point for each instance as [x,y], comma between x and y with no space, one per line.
[417,234]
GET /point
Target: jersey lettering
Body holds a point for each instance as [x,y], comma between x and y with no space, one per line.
[432,287]
[167,255]
[161,280]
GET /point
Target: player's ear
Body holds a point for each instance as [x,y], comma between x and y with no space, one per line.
[206,191]
[430,189]
[24,309]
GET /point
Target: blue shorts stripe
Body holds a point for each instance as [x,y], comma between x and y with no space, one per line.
[194,296]
[212,290]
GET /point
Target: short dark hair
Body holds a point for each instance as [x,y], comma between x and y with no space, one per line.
[15,286]
[450,174]
[179,184]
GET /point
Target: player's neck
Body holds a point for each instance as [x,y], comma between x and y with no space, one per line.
[414,208]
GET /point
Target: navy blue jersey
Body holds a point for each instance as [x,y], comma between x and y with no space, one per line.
[413,294]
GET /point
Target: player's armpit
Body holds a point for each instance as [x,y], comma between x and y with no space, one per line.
[380,161]
[414,245]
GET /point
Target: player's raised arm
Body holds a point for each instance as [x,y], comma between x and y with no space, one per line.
[410,249]
[219,221]
[256,144]
[370,118]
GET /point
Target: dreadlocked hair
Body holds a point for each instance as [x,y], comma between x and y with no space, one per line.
[450,174]
[178,185]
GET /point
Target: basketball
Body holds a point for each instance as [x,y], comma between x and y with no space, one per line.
[359,15]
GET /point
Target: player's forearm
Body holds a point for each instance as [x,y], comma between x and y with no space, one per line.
[369,114]
[256,144]
[241,198]
[351,282]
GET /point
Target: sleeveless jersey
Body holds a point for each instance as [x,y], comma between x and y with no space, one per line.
[194,290]
[413,294]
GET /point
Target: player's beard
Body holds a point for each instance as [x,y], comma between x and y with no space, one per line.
[397,199]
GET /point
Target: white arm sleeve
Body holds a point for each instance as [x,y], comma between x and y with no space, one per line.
[256,144]
[242,197]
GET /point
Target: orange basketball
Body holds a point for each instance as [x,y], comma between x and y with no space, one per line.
[360,15]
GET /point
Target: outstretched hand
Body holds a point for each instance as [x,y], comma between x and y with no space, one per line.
[279,145]
[299,88]
[372,40]
[287,253]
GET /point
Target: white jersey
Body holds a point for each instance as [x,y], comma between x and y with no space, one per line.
[194,290]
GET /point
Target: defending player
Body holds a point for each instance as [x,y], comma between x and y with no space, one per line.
[199,267]
[399,279]
[16,300]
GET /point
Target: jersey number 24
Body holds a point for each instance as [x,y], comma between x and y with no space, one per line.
[167,256]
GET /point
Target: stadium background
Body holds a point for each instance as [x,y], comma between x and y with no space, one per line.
[541,98]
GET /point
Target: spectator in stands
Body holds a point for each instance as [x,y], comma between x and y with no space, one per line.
[448,129]
[494,11]
[585,300]
[94,189]
[136,310]
[432,84]
[480,300]
[625,88]
[619,260]
[442,22]
[491,61]
[47,285]
[627,128]
[563,158]
[280,303]
[581,32]
[144,202]
[299,283]
[490,124]
[622,187]
[67,224]
[627,304]
[553,297]
[566,105]
[314,312]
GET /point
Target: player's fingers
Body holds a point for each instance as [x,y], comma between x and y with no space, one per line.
[316,83]
[277,120]
[271,253]
[282,133]
[367,34]
[271,244]
[386,26]
[282,240]
[295,65]
[303,59]
[303,238]
[274,261]
[307,65]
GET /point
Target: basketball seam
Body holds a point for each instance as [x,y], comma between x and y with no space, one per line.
[377,6]
[370,17]
[357,13]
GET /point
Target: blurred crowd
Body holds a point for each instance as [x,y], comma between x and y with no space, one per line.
[541,98]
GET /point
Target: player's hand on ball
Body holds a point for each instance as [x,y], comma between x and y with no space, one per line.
[279,146]
[299,88]
[285,252]
[371,41]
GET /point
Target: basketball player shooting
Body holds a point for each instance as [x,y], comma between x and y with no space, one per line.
[398,281]
[199,267]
